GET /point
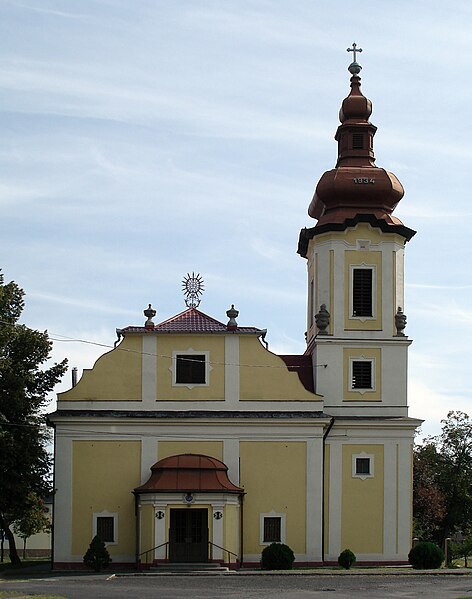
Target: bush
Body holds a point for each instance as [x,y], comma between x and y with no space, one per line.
[426,555]
[346,559]
[277,556]
[97,556]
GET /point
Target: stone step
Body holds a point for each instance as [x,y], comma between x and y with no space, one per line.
[194,568]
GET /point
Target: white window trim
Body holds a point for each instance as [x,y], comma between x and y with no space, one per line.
[362,455]
[106,514]
[188,352]
[271,514]
[353,389]
[373,268]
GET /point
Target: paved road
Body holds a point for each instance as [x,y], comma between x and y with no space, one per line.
[247,587]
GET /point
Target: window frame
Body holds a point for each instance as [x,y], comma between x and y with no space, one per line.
[373,269]
[106,514]
[189,352]
[362,390]
[362,456]
[262,518]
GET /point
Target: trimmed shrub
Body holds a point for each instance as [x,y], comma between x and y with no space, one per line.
[277,556]
[97,556]
[346,559]
[426,555]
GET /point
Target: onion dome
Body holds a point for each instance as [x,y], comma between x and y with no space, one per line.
[355,186]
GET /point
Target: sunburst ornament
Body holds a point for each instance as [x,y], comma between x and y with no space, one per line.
[192,285]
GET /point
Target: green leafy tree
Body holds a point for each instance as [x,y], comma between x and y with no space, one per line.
[33,521]
[429,503]
[445,460]
[24,385]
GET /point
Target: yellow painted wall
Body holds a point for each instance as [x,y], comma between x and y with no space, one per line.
[146,535]
[211,448]
[358,258]
[231,530]
[167,344]
[264,376]
[353,353]
[115,375]
[103,475]
[362,513]
[273,474]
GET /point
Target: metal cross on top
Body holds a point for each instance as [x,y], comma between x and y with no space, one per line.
[354,49]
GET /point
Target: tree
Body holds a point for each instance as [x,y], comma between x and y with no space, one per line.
[33,521]
[24,385]
[429,503]
[97,556]
[444,463]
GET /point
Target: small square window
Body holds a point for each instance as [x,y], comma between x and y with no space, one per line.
[190,369]
[362,465]
[362,374]
[272,530]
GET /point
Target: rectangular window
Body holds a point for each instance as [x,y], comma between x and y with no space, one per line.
[106,528]
[272,530]
[357,141]
[190,369]
[362,292]
[362,374]
[362,465]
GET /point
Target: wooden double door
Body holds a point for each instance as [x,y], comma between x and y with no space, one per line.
[188,535]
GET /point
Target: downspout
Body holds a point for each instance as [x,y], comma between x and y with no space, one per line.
[136,516]
[241,528]
[323,494]
[53,521]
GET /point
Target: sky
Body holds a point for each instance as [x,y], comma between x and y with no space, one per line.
[142,140]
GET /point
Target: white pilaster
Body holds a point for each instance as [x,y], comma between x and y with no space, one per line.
[404,497]
[149,371]
[335,499]
[148,456]
[231,459]
[63,499]
[390,499]
[314,498]
[217,539]
[231,370]
[160,525]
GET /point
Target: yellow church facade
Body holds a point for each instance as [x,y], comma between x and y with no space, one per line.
[192,442]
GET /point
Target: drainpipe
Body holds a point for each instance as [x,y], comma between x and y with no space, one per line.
[136,516]
[323,501]
[241,527]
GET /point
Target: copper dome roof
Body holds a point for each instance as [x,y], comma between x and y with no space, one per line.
[189,473]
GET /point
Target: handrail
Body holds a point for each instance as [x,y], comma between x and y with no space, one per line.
[153,549]
[211,544]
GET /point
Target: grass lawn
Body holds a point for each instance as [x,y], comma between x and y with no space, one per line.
[13,595]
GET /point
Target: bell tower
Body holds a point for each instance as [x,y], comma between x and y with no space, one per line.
[355,257]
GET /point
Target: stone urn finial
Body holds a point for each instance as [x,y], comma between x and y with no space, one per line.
[400,322]
[322,320]
[232,314]
[149,313]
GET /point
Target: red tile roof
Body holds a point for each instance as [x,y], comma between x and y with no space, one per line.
[190,321]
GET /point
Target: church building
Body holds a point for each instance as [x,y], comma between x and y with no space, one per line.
[191,442]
